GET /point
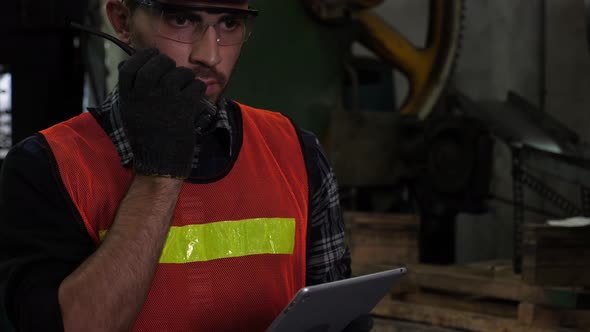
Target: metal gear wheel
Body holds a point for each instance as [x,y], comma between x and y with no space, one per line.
[428,68]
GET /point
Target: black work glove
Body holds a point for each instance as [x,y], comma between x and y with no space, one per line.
[159,105]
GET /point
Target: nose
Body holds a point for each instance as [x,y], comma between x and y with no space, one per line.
[205,52]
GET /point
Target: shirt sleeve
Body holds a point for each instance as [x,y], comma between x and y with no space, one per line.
[328,256]
[42,239]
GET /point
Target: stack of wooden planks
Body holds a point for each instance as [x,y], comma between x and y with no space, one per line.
[552,294]
[378,239]
[485,297]
[556,256]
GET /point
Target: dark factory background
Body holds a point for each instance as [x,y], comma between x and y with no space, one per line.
[457,129]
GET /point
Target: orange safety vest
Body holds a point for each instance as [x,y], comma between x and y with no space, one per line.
[235,254]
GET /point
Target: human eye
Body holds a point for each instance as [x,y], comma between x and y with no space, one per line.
[181,20]
[232,22]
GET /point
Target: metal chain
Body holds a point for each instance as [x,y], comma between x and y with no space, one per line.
[521,178]
[570,209]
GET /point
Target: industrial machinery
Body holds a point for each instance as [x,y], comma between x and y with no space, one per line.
[439,144]
[420,149]
[427,68]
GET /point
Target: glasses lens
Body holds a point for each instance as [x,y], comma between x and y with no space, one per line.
[232,29]
[188,27]
[180,26]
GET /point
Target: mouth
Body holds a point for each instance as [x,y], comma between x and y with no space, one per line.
[211,86]
[209,81]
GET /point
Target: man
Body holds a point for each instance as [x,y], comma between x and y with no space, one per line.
[168,208]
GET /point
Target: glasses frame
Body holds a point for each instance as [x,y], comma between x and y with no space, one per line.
[164,7]
[205,8]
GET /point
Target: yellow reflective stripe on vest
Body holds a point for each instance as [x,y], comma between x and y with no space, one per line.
[226,239]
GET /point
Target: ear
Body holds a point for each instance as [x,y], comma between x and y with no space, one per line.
[120,18]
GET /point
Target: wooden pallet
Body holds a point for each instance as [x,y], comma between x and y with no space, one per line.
[485,297]
[556,256]
[382,239]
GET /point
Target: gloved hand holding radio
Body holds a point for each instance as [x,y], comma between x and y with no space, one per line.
[159,105]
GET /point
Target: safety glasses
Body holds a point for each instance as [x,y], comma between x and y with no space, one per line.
[188,24]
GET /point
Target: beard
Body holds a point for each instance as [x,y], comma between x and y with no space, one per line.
[202,71]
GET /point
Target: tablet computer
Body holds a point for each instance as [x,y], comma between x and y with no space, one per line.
[333,305]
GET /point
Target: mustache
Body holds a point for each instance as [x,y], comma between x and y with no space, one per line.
[210,73]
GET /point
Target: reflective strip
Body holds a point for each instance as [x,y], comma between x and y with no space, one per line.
[226,239]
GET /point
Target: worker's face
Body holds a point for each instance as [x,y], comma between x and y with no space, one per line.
[211,62]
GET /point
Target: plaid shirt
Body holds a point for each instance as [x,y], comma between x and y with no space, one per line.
[328,257]
[110,120]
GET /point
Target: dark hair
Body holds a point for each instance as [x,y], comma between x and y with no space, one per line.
[130,4]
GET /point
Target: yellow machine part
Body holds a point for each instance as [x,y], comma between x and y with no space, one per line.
[427,68]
